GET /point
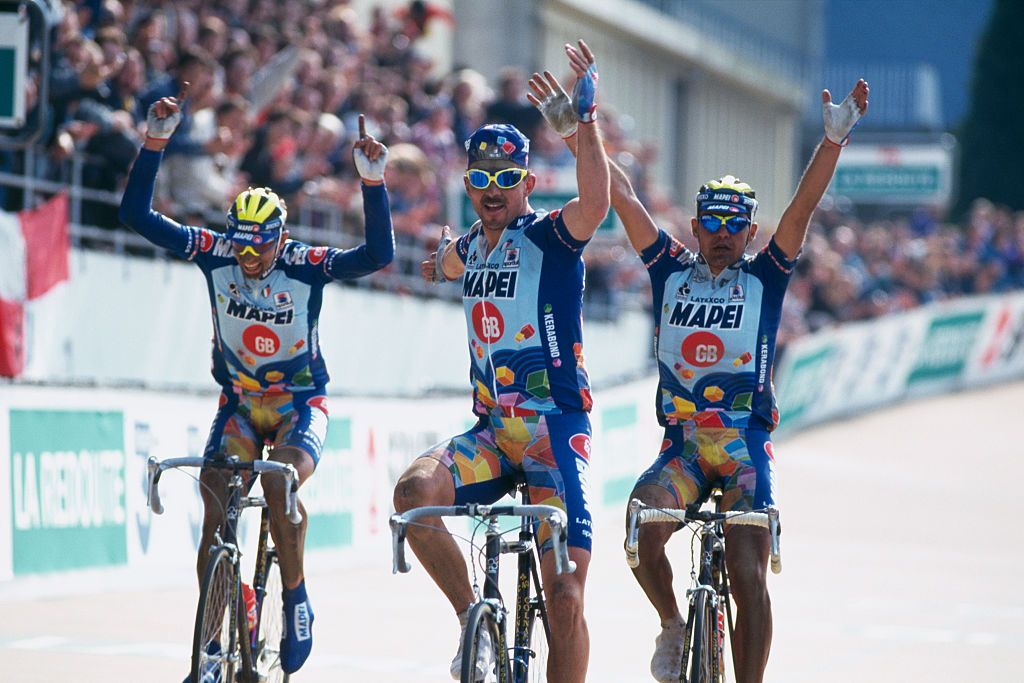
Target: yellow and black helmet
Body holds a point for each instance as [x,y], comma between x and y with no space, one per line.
[727,194]
[256,215]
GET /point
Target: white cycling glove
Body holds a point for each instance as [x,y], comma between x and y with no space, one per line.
[558,111]
[370,170]
[840,119]
[446,239]
[161,128]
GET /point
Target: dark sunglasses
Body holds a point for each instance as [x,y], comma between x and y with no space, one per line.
[505,179]
[734,224]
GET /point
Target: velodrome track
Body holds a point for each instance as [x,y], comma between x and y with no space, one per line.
[902,562]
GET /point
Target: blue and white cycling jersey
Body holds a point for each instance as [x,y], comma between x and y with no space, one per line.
[524,318]
[715,336]
[265,331]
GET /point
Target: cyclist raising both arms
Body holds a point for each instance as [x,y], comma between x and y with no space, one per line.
[522,293]
[266,292]
[716,314]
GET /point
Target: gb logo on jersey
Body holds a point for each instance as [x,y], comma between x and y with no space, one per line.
[488,324]
[261,340]
[702,349]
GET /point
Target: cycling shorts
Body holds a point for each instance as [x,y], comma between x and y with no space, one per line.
[693,460]
[551,453]
[245,423]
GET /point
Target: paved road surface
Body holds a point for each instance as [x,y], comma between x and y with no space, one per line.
[902,563]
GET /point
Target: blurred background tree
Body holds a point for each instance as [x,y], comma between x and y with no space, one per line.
[992,135]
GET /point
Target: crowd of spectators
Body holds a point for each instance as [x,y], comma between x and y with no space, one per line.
[276,88]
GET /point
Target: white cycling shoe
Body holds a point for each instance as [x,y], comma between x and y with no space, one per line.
[484,652]
[668,651]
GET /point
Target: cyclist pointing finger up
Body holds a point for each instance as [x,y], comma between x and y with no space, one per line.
[265,294]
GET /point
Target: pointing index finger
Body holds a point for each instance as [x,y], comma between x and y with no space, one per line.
[362,127]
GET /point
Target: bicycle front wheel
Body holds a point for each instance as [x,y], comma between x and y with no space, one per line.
[538,660]
[268,645]
[215,646]
[705,657]
[482,639]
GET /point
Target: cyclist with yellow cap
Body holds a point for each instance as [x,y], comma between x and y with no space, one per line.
[266,293]
[716,314]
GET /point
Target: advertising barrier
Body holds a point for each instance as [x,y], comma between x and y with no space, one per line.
[73,460]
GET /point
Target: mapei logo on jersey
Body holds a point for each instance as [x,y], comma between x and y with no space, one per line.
[244,311]
[303,255]
[209,242]
[707,315]
[481,283]
[725,197]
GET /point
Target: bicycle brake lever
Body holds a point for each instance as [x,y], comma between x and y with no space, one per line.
[152,485]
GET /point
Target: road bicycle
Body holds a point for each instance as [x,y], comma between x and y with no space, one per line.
[710,606]
[234,641]
[526,659]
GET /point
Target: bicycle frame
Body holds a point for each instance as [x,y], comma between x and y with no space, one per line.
[227,537]
[709,577]
[516,667]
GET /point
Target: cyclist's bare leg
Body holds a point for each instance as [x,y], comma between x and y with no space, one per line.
[289,539]
[746,557]
[213,488]
[428,482]
[655,572]
[563,597]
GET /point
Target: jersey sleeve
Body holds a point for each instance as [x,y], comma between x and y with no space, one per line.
[662,257]
[137,212]
[462,244]
[554,237]
[379,249]
[772,266]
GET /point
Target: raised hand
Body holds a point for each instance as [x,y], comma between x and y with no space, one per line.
[584,93]
[553,103]
[431,269]
[164,115]
[369,155]
[841,118]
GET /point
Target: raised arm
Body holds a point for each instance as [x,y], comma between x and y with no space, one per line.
[136,210]
[371,158]
[552,101]
[583,215]
[839,121]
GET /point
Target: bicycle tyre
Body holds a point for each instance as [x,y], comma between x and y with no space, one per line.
[537,671]
[702,649]
[219,595]
[481,619]
[268,640]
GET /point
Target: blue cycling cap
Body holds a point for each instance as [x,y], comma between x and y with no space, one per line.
[727,194]
[499,141]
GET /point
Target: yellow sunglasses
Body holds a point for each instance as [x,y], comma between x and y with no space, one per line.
[506,178]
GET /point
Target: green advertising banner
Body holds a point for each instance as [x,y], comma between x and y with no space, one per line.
[328,494]
[804,381]
[946,346]
[67,490]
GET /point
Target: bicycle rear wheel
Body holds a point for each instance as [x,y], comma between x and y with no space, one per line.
[268,642]
[215,646]
[482,620]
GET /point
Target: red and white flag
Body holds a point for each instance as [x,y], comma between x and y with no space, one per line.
[34,252]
